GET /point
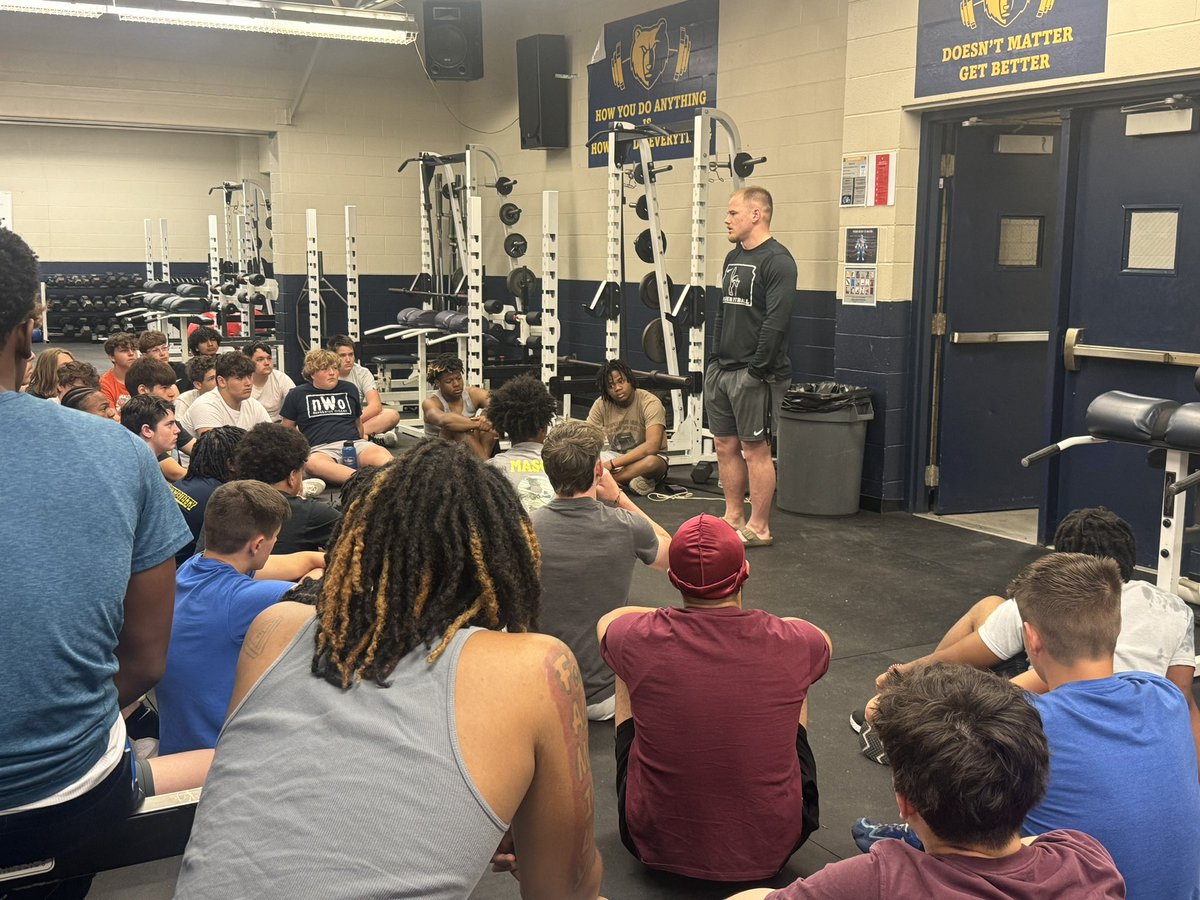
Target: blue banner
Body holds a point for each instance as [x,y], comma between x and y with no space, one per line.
[659,66]
[964,45]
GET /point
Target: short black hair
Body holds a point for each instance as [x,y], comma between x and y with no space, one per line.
[75,398]
[232,364]
[18,282]
[148,372]
[1097,531]
[271,453]
[340,340]
[967,750]
[618,366]
[446,364]
[201,335]
[198,366]
[144,409]
[251,349]
[521,407]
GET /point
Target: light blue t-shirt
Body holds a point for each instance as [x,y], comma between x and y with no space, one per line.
[1123,769]
[214,606]
[84,507]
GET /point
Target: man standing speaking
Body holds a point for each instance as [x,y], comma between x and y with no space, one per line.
[749,371]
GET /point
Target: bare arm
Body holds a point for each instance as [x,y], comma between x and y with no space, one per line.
[287,423]
[608,618]
[142,644]
[1029,680]
[372,405]
[970,651]
[553,827]
[752,894]
[650,446]
[1182,677]
[290,566]
[450,421]
[172,471]
[268,635]
[608,491]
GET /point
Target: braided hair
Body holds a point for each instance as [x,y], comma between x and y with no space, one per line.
[521,407]
[437,541]
[1097,531]
[212,457]
[446,364]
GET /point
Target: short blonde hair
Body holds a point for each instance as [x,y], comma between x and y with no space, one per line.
[316,360]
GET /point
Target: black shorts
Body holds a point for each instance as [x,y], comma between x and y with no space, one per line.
[810,814]
[42,833]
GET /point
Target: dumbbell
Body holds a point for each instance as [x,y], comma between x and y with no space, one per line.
[85,333]
[493,307]
[86,304]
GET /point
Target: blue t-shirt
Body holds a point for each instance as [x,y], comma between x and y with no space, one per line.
[1123,769]
[214,606]
[85,507]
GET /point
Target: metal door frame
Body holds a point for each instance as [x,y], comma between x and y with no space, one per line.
[1072,106]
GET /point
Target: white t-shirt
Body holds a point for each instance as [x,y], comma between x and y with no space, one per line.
[271,394]
[211,411]
[183,403]
[361,378]
[1157,631]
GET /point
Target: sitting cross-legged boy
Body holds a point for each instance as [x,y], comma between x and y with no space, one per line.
[969,760]
[715,777]
[455,409]
[591,537]
[216,599]
[522,409]
[634,423]
[378,422]
[328,412]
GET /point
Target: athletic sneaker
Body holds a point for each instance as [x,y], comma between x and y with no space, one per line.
[641,485]
[386,438]
[313,487]
[858,718]
[871,745]
[865,833]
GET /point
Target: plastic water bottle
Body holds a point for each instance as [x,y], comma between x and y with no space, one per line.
[349,455]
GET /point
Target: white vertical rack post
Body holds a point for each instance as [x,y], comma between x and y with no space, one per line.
[473,262]
[166,253]
[149,232]
[313,260]
[352,312]
[550,324]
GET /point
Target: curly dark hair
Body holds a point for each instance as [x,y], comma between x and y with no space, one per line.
[69,373]
[411,566]
[232,364]
[121,340]
[198,366]
[446,364]
[213,454]
[521,408]
[202,335]
[611,367]
[270,453]
[18,282]
[1097,531]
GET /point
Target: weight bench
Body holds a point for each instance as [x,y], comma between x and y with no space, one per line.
[158,829]
[1166,426]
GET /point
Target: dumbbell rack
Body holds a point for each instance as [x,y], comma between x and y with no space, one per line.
[88,307]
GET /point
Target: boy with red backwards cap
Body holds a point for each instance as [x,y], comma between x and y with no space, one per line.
[715,778]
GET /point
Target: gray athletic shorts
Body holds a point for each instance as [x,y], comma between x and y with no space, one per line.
[735,403]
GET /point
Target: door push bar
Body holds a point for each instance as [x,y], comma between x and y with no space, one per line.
[1073,351]
[999,337]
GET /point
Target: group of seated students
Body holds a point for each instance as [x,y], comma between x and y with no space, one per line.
[330,676]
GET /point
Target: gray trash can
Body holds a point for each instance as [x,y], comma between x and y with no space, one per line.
[822,430]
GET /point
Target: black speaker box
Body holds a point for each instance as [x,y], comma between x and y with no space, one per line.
[541,96]
[453,35]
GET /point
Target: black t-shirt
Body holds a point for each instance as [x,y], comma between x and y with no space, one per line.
[181,377]
[757,289]
[192,496]
[309,527]
[324,417]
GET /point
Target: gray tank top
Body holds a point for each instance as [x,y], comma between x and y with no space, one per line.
[468,410]
[324,794]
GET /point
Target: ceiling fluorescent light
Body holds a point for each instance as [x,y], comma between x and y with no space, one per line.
[55,7]
[320,10]
[268,23]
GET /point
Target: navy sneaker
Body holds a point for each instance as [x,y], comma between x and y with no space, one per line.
[865,833]
[870,744]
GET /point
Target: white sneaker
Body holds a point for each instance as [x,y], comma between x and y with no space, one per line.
[641,485]
[313,487]
[385,438]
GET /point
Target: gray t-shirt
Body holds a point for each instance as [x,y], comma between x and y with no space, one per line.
[522,465]
[588,552]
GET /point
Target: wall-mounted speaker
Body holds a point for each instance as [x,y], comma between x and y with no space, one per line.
[541,94]
[453,37]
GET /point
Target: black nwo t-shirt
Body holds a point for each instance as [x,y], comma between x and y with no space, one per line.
[324,417]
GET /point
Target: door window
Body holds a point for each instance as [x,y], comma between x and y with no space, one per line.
[1151,238]
[1020,242]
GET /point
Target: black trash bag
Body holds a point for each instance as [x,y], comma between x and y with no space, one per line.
[826,396]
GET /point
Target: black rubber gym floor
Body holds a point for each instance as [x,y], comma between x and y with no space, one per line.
[885,587]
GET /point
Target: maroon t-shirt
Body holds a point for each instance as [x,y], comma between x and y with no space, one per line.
[1059,865]
[713,786]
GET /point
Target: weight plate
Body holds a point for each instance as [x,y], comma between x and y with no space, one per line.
[653,343]
[515,245]
[504,186]
[648,291]
[520,280]
[643,247]
[638,176]
[642,208]
[510,214]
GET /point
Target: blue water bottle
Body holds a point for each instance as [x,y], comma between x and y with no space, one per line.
[349,455]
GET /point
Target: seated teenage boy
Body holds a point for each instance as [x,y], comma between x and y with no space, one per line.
[122,352]
[1157,628]
[327,411]
[154,345]
[715,777]
[378,422]
[153,420]
[969,761]
[276,455]
[76,374]
[454,411]
[522,409]
[634,425]
[270,385]
[231,403]
[216,599]
[591,537]
[202,378]
[150,376]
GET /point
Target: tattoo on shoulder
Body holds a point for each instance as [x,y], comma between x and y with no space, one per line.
[256,642]
[567,689]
